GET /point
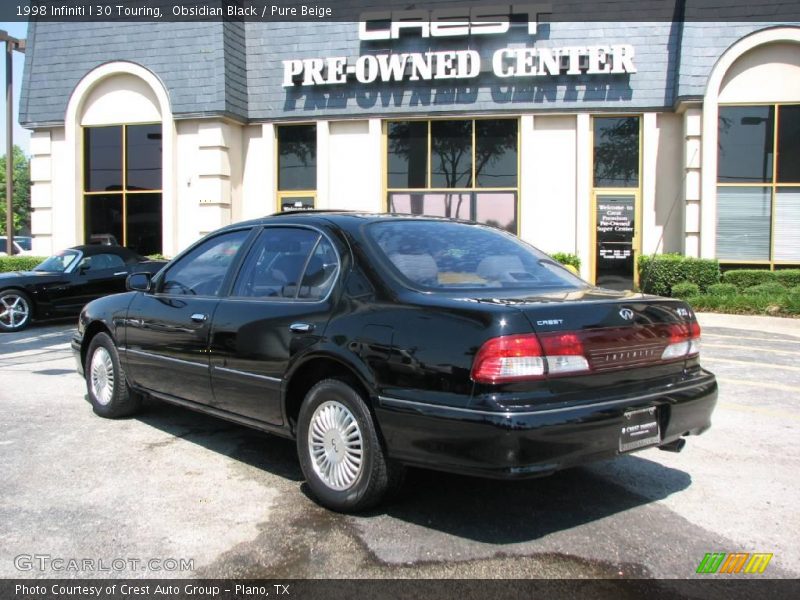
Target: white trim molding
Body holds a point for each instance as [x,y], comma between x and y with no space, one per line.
[708,204]
[72,192]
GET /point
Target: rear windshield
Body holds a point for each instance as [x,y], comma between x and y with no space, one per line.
[447,255]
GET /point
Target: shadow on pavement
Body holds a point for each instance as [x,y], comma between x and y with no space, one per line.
[483,510]
[261,450]
[503,512]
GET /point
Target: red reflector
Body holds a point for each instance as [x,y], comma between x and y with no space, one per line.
[562,344]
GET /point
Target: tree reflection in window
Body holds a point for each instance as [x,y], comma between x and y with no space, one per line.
[496,152]
[408,154]
[616,152]
[451,150]
[297,157]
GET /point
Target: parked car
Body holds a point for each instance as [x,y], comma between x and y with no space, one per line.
[22,245]
[63,283]
[379,341]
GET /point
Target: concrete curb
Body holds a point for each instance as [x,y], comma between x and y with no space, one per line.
[780,325]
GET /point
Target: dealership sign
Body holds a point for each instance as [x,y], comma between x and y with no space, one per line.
[505,63]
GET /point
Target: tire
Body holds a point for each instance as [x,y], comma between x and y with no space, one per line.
[16,310]
[109,393]
[334,426]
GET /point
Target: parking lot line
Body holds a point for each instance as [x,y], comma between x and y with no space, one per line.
[751,348]
[761,384]
[749,363]
[757,339]
[780,414]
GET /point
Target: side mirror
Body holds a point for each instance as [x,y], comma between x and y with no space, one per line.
[138,282]
[83,268]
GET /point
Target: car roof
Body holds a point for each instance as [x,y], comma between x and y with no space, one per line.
[342,218]
[94,249]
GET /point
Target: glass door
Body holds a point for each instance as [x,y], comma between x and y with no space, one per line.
[615,240]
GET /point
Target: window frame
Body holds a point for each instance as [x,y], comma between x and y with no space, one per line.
[252,247]
[124,192]
[596,193]
[280,195]
[473,189]
[231,272]
[773,185]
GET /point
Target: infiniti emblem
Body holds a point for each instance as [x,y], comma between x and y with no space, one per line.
[626,313]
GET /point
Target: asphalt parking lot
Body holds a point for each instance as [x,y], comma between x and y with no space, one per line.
[171,484]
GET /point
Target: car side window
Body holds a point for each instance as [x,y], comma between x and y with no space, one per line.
[286,263]
[321,271]
[100,262]
[202,271]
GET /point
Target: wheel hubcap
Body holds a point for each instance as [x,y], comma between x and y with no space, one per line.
[14,311]
[335,445]
[102,376]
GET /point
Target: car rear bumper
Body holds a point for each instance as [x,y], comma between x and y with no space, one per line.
[531,443]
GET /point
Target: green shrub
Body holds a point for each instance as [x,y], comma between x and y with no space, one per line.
[565,258]
[657,274]
[755,304]
[788,277]
[19,263]
[722,289]
[745,278]
[773,289]
[685,289]
[795,290]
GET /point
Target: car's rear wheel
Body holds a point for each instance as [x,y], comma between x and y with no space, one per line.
[339,449]
[109,392]
[15,310]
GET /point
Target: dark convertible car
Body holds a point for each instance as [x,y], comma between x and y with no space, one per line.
[62,284]
[379,341]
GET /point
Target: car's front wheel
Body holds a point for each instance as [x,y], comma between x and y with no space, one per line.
[109,392]
[339,449]
[15,310]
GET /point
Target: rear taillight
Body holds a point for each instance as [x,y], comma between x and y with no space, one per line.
[684,341]
[516,357]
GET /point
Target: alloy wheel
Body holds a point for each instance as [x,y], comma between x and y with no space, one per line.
[335,445]
[102,376]
[14,311]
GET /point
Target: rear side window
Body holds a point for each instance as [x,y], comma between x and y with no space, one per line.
[202,271]
[287,263]
[447,255]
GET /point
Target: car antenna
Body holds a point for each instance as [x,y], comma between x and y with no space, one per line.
[660,242]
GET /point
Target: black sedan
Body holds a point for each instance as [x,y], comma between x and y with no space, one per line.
[379,341]
[62,284]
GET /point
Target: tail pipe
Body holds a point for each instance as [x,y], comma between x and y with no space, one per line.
[675,446]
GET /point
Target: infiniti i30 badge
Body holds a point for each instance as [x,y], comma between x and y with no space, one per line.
[626,313]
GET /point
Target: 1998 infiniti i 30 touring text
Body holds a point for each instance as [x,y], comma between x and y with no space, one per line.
[379,341]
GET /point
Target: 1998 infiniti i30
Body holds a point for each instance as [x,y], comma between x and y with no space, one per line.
[379,341]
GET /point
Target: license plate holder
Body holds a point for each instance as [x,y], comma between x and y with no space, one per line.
[639,429]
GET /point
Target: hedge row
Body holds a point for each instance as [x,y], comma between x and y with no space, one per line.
[19,263]
[746,278]
[787,303]
[659,273]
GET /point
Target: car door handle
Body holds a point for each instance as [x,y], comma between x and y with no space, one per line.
[301,328]
[120,273]
[199,317]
